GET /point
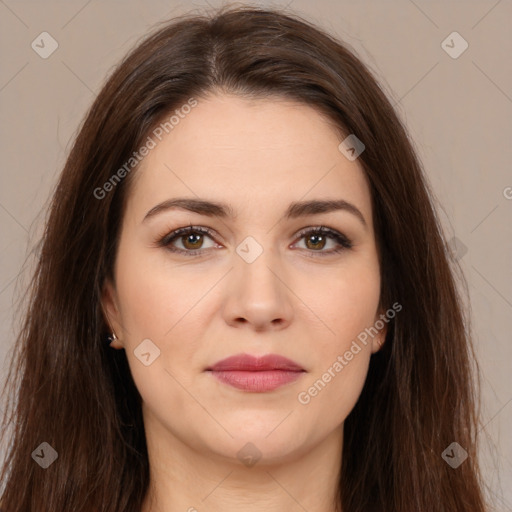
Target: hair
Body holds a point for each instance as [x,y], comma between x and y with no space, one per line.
[68,388]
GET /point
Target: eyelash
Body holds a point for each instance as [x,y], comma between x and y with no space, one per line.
[344,242]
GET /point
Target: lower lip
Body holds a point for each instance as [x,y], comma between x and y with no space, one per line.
[259,381]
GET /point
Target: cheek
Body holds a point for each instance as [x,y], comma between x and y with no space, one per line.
[152,307]
[152,301]
[331,394]
[342,356]
[157,304]
[350,304]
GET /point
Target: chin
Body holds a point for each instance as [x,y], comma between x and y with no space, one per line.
[269,444]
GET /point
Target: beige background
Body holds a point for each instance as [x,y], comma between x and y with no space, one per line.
[458,111]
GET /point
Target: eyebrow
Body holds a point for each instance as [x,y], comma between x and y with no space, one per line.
[221,210]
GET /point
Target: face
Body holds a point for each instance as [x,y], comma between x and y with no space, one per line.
[260,280]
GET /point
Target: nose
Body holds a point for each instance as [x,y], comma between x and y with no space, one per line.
[258,295]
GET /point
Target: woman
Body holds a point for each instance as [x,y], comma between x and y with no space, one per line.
[243,296]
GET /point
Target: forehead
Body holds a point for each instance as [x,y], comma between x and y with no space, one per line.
[256,153]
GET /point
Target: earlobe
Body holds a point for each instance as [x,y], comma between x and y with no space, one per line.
[111,313]
[378,341]
[380,338]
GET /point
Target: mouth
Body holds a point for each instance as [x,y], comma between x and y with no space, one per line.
[256,374]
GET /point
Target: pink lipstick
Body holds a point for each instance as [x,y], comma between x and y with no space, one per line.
[256,374]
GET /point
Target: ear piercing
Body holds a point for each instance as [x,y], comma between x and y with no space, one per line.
[111,337]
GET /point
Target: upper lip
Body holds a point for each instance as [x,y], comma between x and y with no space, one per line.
[246,362]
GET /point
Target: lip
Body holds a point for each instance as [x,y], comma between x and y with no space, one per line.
[248,363]
[256,374]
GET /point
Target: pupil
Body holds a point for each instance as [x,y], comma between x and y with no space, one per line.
[318,239]
[189,239]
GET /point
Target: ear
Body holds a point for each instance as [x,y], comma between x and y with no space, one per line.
[109,305]
[381,325]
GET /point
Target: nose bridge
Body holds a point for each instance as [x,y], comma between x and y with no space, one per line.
[257,263]
[257,292]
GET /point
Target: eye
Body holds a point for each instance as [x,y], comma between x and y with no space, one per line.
[192,238]
[316,239]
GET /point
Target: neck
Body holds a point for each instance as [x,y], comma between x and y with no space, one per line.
[185,479]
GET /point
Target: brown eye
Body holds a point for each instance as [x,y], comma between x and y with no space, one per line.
[318,241]
[191,239]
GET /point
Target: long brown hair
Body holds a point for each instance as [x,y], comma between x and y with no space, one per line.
[67,388]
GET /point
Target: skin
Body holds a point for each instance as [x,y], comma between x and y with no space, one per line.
[257,156]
